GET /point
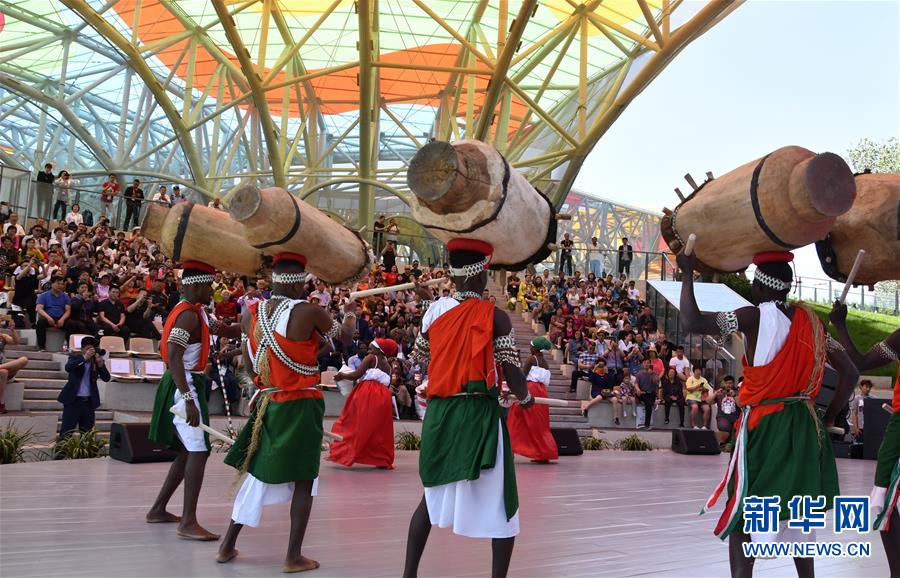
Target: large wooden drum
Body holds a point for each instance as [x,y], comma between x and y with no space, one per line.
[785,200]
[194,232]
[872,224]
[274,221]
[467,189]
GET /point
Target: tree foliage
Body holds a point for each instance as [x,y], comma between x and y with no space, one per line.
[878,157]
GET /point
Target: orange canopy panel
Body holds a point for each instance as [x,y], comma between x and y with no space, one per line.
[337,92]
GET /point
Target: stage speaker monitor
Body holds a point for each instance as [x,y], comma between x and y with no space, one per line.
[695,442]
[875,421]
[567,441]
[128,442]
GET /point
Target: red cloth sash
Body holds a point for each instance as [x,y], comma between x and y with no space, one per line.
[292,385]
[462,348]
[796,370]
[204,334]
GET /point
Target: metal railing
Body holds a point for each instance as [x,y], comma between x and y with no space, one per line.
[816,290]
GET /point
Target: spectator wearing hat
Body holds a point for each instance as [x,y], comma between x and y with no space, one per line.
[80,396]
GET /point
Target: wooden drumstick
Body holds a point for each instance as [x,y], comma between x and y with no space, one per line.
[833,429]
[689,246]
[887,407]
[401,287]
[856,263]
[548,401]
[214,433]
[333,436]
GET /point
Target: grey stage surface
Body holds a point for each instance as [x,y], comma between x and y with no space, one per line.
[601,514]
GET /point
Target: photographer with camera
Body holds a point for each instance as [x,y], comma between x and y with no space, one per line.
[80,396]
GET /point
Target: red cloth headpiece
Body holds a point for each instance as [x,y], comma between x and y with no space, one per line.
[198,266]
[286,256]
[773,257]
[388,346]
[474,245]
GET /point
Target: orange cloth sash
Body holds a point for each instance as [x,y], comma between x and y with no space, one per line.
[462,348]
[204,334]
[292,385]
[796,370]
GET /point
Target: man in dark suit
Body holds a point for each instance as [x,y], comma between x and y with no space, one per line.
[80,396]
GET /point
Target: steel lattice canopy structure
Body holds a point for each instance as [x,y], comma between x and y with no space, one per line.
[320,95]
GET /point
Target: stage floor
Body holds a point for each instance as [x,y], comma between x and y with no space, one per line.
[601,514]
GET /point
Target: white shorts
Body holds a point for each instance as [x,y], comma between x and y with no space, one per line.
[255,494]
[474,508]
[192,438]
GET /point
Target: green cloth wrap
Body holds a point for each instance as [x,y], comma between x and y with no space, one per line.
[459,439]
[541,344]
[162,428]
[789,454]
[889,452]
[290,444]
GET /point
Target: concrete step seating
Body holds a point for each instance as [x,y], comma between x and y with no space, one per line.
[569,417]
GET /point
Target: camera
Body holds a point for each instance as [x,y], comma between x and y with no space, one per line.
[101,352]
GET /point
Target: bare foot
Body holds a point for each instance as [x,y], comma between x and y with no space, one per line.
[196,532]
[162,518]
[226,556]
[301,565]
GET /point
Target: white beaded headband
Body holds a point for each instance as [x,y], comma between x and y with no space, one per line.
[197,279]
[470,270]
[287,278]
[771,282]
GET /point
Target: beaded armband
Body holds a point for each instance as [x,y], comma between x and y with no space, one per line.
[832,344]
[335,330]
[505,349]
[215,326]
[728,323]
[885,351]
[179,336]
[190,395]
[421,350]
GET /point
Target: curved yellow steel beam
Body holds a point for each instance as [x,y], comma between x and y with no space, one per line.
[136,61]
[676,42]
[276,158]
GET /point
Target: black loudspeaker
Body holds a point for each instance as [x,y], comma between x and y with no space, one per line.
[128,442]
[695,442]
[875,421]
[829,385]
[567,441]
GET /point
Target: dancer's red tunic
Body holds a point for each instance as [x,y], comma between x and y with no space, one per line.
[529,431]
[367,426]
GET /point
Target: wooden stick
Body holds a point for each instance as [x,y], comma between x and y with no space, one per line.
[689,246]
[214,433]
[833,429]
[887,407]
[691,181]
[401,287]
[856,263]
[563,217]
[549,401]
[679,193]
[222,437]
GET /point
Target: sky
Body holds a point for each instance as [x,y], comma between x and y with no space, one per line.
[821,75]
